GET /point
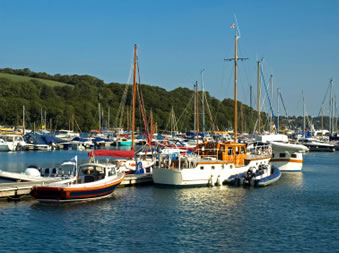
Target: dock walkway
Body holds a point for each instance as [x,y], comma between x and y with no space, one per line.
[16,190]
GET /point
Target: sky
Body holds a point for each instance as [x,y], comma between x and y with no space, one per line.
[298,41]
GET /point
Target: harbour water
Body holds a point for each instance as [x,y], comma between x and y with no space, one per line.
[299,213]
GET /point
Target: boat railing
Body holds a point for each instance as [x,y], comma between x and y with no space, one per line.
[260,151]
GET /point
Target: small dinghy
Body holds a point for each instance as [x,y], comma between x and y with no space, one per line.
[263,176]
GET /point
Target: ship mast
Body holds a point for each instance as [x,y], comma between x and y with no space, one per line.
[236,59]
[134,92]
[197,111]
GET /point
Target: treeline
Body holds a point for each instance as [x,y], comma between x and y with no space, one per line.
[80,100]
[69,79]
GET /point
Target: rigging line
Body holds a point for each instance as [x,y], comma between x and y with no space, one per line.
[245,69]
[209,112]
[189,102]
[227,88]
[215,127]
[186,109]
[168,123]
[142,103]
[282,101]
[268,98]
[328,87]
[121,108]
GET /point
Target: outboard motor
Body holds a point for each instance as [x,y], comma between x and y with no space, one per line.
[248,177]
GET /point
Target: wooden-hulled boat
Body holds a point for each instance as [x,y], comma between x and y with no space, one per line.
[213,164]
[93,181]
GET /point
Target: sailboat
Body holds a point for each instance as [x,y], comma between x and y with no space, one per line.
[214,163]
[132,162]
[286,156]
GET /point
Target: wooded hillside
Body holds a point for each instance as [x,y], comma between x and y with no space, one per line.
[81,94]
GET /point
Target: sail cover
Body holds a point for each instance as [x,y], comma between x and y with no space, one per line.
[112,153]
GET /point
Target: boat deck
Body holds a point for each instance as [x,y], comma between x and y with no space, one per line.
[134,179]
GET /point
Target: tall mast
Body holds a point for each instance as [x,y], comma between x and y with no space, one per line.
[108,118]
[304,114]
[99,110]
[235,59]
[331,107]
[251,96]
[278,97]
[258,96]
[23,120]
[235,88]
[197,111]
[134,91]
[203,100]
[271,121]
[322,119]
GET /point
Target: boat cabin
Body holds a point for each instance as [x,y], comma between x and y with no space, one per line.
[92,172]
[229,152]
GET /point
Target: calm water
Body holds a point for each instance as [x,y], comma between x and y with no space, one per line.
[300,213]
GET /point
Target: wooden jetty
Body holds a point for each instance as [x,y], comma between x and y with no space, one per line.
[137,179]
[17,190]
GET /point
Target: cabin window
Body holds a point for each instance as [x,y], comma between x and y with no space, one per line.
[282,155]
[201,167]
[223,166]
[111,172]
[213,167]
[230,151]
[242,150]
[272,155]
[293,155]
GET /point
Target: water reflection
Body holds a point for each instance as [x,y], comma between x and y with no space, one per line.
[292,180]
[296,214]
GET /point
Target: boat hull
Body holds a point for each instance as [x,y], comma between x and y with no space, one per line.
[125,143]
[288,165]
[320,148]
[275,176]
[208,173]
[74,193]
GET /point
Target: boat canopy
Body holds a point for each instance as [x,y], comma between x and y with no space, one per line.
[112,153]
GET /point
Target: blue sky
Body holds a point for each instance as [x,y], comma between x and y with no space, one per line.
[176,39]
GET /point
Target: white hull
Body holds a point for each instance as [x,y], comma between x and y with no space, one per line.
[197,176]
[287,157]
[288,147]
[4,147]
[8,146]
[287,165]
[11,142]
